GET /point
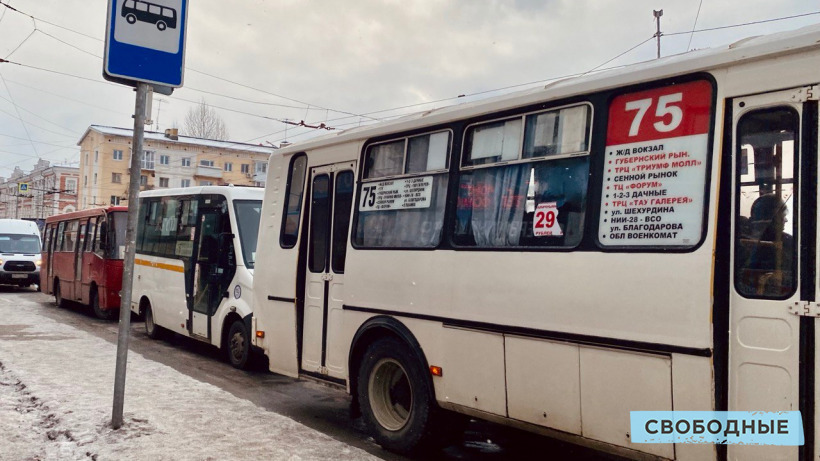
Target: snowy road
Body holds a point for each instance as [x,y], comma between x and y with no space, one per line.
[181,401]
[55,403]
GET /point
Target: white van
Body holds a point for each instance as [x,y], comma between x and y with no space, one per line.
[19,252]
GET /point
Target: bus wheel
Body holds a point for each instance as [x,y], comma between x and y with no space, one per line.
[58,295]
[395,396]
[161,25]
[238,348]
[105,314]
[153,330]
[131,19]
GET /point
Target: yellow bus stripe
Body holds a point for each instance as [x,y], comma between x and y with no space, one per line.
[168,267]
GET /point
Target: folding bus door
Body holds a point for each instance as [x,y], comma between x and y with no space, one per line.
[772,301]
[331,198]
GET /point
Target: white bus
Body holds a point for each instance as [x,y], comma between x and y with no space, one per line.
[193,271]
[644,238]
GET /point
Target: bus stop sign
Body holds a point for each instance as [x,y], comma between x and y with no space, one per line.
[145,42]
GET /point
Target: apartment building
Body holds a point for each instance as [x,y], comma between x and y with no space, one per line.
[169,160]
[50,190]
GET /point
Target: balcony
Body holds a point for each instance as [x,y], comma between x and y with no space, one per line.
[208,172]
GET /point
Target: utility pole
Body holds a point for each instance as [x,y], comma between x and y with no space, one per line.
[128,262]
[159,108]
[658,14]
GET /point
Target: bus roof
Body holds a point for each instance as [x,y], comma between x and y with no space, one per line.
[85,213]
[231,192]
[742,51]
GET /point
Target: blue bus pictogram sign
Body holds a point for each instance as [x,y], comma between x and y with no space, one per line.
[145,42]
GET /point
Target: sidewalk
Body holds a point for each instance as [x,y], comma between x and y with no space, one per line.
[56,393]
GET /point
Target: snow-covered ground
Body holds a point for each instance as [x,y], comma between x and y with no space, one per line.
[56,393]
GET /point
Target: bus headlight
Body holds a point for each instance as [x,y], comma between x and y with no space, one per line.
[38,263]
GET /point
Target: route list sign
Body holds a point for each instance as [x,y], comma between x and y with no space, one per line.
[655,168]
[397,194]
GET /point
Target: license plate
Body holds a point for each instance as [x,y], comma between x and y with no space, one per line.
[19,276]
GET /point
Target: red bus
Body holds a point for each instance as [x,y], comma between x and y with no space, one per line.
[82,258]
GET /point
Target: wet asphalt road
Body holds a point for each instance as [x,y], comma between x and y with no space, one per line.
[323,408]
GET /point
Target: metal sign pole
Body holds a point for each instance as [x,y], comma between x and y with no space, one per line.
[128,263]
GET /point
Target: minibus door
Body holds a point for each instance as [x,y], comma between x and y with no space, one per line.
[331,199]
[211,266]
[774,262]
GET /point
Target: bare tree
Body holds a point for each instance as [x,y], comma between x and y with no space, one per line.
[203,121]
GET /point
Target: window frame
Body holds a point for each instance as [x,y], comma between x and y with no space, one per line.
[445,172]
[592,183]
[286,202]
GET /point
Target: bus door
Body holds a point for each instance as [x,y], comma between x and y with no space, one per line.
[214,263]
[331,198]
[774,261]
[78,260]
[51,237]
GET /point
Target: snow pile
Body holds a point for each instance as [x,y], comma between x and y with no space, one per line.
[56,393]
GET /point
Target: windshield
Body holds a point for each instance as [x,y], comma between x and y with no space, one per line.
[19,243]
[116,235]
[248,213]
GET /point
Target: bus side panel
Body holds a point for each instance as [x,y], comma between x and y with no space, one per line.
[161,281]
[474,370]
[692,390]
[613,383]
[110,283]
[63,269]
[544,383]
[275,277]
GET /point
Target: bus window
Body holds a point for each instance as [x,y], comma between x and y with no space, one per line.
[293,201]
[343,199]
[99,238]
[248,213]
[320,214]
[60,237]
[90,240]
[765,219]
[70,236]
[404,190]
[115,240]
[540,203]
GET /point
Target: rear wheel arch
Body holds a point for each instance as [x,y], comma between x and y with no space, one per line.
[370,332]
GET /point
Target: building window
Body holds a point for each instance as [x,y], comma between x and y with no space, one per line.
[95,178]
[206,163]
[116,178]
[115,200]
[148,160]
[164,159]
[185,183]
[117,154]
[261,167]
[96,156]
[163,182]
[246,168]
[186,161]
[228,166]
[94,200]
[85,202]
[206,183]
[71,186]
[85,180]
[143,180]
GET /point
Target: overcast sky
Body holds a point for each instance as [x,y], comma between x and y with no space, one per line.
[327,59]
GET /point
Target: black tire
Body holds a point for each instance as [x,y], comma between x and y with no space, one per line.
[131,19]
[396,397]
[153,330]
[238,345]
[105,314]
[58,295]
[161,26]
